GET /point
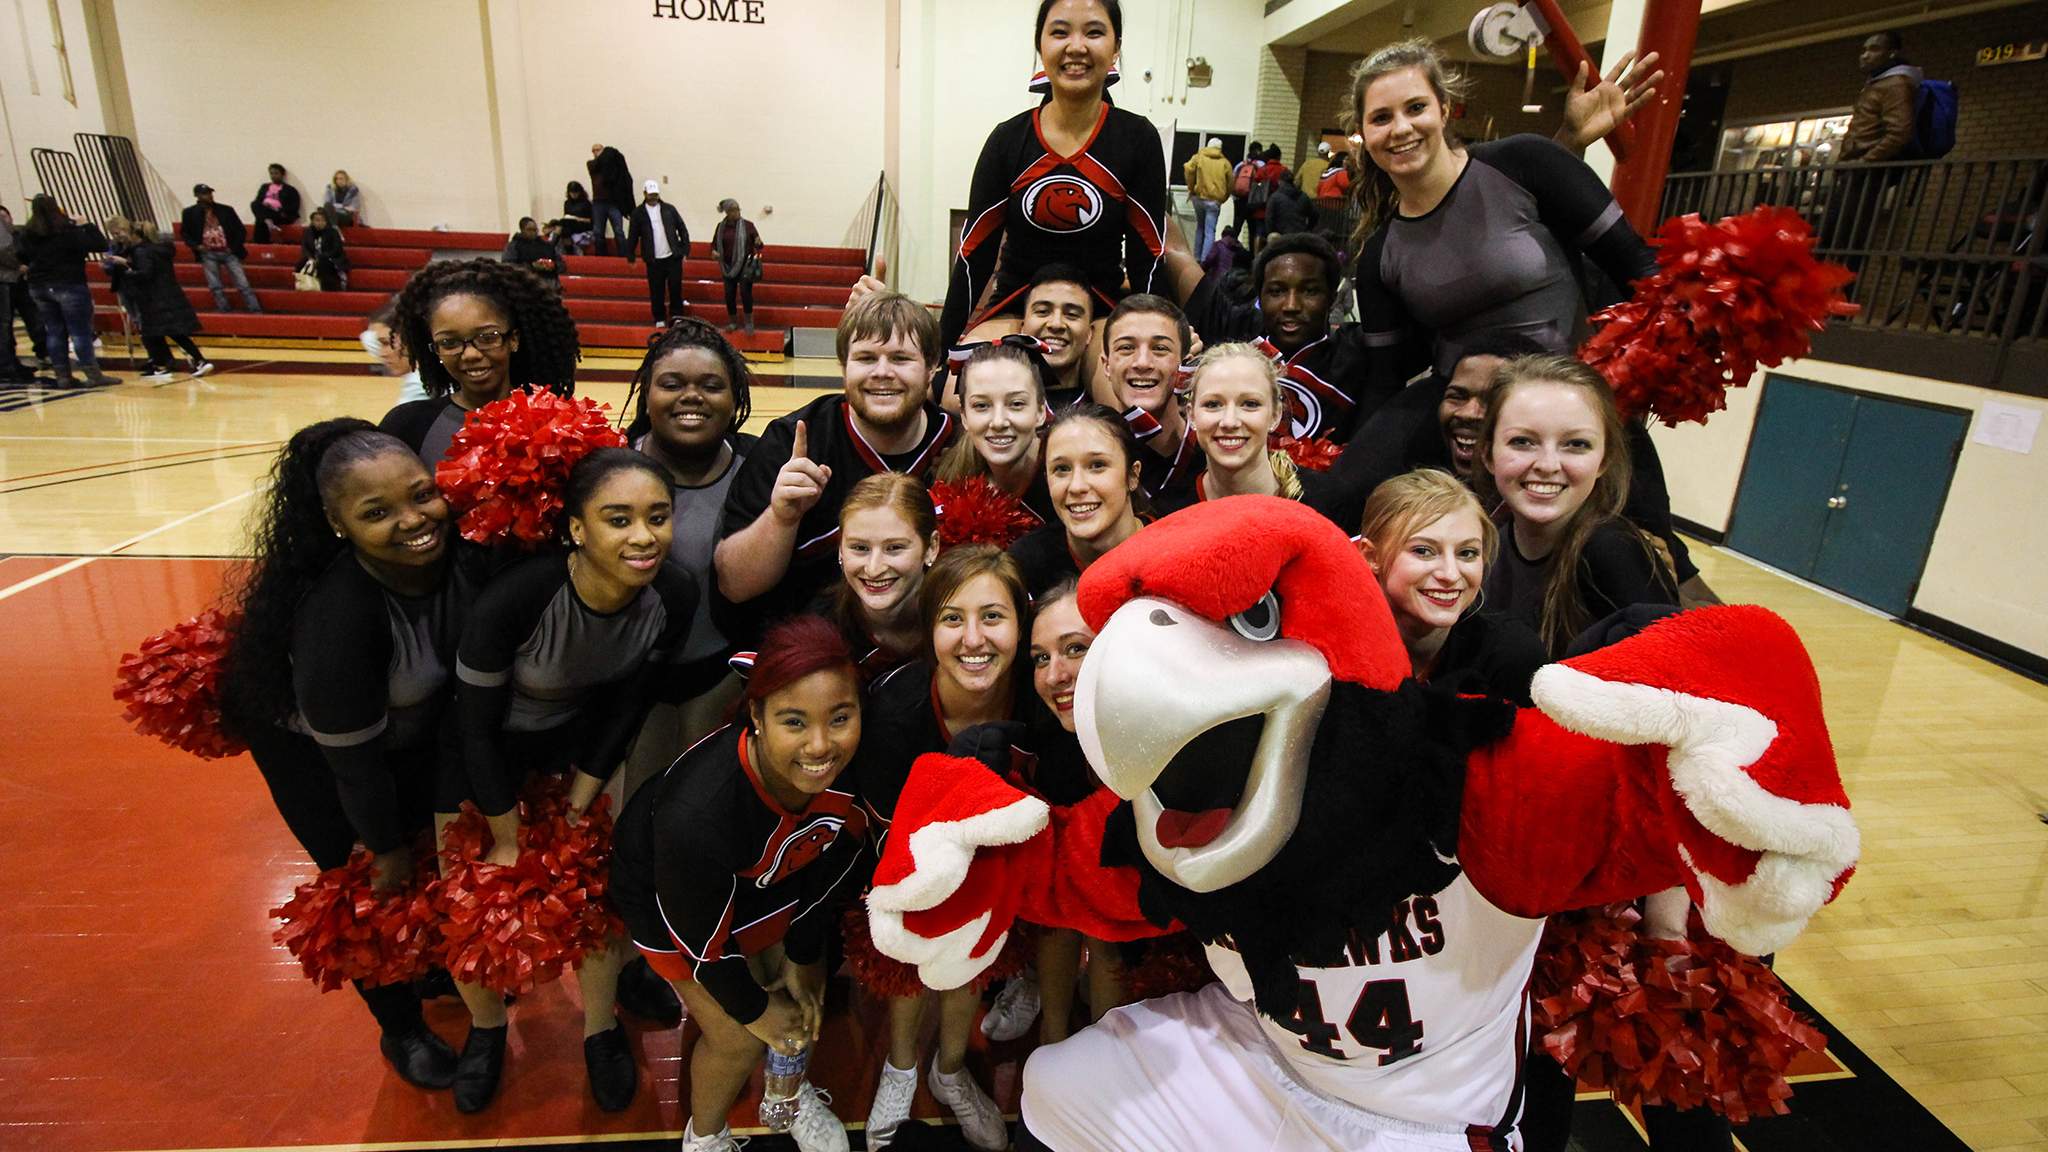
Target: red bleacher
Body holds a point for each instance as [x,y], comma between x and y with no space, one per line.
[803,287]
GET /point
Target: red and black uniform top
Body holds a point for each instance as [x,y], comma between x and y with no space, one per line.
[1329,382]
[836,443]
[1169,468]
[708,869]
[1101,210]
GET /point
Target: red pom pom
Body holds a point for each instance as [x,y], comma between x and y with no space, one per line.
[1690,1023]
[516,926]
[887,976]
[1726,298]
[1175,963]
[1318,454]
[171,688]
[341,930]
[507,466]
[975,511]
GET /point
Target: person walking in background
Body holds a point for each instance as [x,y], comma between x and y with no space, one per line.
[1269,175]
[1289,210]
[55,248]
[12,370]
[344,201]
[322,246]
[529,249]
[1312,169]
[737,244]
[659,237]
[1241,187]
[214,234]
[165,314]
[572,229]
[1208,181]
[611,196]
[120,240]
[276,204]
[1882,125]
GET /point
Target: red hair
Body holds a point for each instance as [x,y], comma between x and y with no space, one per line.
[793,649]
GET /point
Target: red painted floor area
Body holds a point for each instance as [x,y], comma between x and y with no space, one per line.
[145,1004]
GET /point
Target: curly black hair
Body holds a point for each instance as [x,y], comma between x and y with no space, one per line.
[1299,244]
[548,345]
[294,544]
[689,332]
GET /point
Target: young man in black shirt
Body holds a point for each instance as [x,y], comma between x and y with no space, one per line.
[778,544]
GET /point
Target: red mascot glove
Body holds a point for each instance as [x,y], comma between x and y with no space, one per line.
[1761,818]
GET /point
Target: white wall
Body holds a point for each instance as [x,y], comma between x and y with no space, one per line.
[965,67]
[32,88]
[1982,572]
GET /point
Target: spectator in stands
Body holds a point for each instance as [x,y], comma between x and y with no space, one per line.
[737,244]
[1289,210]
[12,370]
[1882,124]
[572,230]
[1240,184]
[611,196]
[165,314]
[659,236]
[55,248]
[214,234]
[321,246]
[276,204]
[387,351]
[1208,181]
[344,201]
[528,248]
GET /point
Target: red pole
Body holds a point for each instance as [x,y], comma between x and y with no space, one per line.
[1567,53]
[1670,29]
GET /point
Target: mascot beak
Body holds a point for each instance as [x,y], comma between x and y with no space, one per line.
[1206,732]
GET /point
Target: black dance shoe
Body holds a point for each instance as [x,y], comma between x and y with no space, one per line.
[614,1078]
[646,995]
[420,1058]
[478,1069]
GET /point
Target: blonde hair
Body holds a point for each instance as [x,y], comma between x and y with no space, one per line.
[1284,470]
[1374,189]
[146,230]
[963,461]
[1405,504]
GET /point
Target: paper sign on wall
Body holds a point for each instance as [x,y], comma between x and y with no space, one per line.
[2007,426]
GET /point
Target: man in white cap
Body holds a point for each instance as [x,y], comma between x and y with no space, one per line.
[1312,169]
[1208,181]
[658,235]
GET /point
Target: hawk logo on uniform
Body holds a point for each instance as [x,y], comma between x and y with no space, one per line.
[799,848]
[1304,409]
[1062,203]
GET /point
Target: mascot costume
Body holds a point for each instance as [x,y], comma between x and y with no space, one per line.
[1367,859]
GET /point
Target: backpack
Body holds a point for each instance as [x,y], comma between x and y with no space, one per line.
[1242,186]
[1934,121]
[1262,191]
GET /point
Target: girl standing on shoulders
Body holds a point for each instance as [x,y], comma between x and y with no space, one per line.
[888,539]
[555,663]
[338,672]
[476,329]
[1091,474]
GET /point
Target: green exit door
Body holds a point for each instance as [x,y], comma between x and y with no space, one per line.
[1845,489]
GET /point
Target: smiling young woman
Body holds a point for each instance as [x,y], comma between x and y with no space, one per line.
[1236,407]
[1091,473]
[1002,413]
[888,538]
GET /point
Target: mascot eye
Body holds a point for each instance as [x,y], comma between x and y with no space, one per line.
[1261,621]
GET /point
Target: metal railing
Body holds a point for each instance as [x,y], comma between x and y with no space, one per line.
[1945,247]
[874,226]
[104,177]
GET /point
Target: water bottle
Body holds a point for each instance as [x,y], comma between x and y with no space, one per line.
[782,1078]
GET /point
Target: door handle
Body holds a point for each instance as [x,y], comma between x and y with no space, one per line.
[1838,501]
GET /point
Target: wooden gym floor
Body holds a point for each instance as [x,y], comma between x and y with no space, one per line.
[146,1007]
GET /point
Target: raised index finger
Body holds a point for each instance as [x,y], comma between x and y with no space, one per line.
[799,449]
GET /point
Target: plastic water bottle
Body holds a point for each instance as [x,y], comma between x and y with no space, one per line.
[782,1078]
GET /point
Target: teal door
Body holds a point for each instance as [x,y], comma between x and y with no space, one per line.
[1846,489]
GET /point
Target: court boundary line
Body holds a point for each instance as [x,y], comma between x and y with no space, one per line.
[75,564]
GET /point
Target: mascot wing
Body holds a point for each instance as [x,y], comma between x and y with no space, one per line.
[1694,753]
[969,854]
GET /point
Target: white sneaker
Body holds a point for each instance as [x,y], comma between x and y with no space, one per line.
[1015,1010]
[201,367]
[158,374]
[816,1128]
[892,1104]
[724,1141]
[980,1121]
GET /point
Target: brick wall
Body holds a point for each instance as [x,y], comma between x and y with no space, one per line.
[1496,93]
[2002,107]
[1276,117]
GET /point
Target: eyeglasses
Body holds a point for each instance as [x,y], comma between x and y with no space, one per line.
[488,340]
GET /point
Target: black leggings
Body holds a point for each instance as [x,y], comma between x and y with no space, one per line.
[740,289]
[302,786]
[160,348]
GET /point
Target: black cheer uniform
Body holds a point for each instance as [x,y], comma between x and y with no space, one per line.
[1332,383]
[708,870]
[837,444]
[1165,474]
[547,681]
[1045,558]
[1488,656]
[1101,210]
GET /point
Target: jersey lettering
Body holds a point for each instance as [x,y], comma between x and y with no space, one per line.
[1380,1019]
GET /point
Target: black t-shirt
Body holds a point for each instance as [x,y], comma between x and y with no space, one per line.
[1615,571]
[1329,383]
[534,657]
[1045,558]
[1102,210]
[707,864]
[837,444]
